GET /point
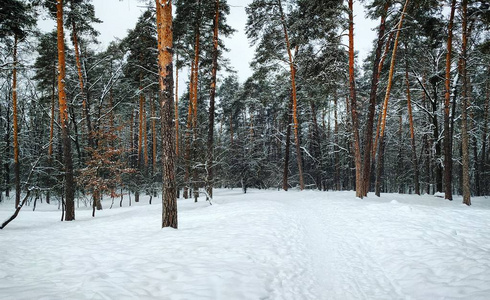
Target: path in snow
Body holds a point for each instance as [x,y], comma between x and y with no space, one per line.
[262,245]
[381,249]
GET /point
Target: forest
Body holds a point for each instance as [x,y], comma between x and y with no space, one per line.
[78,124]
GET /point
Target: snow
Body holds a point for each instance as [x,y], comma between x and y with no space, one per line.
[259,245]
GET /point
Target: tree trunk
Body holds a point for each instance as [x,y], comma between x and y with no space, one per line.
[464,109]
[51,133]
[75,133]
[380,167]
[483,158]
[448,159]
[285,185]
[392,68]
[295,102]
[231,130]
[177,106]
[187,154]
[412,136]
[336,148]
[145,138]
[131,146]
[193,91]
[65,130]
[380,67]
[353,106]
[165,68]
[212,93]
[140,127]
[153,137]
[1,158]
[437,141]
[7,151]
[400,155]
[15,126]
[315,141]
[368,140]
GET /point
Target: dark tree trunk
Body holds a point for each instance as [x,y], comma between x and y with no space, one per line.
[464,110]
[400,155]
[380,167]
[285,185]
[15,126]
[412,136]
[75,129]
[368,139]
[448,159]
[483,158]
[336,149]
[212,93]
[7,152]
[437,141]
[17,210]
[1,159]
[315,142]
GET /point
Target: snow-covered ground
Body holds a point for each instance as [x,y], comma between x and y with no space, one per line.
[259,245]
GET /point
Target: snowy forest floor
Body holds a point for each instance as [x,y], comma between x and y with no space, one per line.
[259,245]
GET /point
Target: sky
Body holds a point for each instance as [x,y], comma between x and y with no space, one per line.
[119,16]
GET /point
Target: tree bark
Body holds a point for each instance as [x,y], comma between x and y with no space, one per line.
[145,138]
[285,185]
[140,127]
[187,154]
[153,137]
[483,158]
[436,141]
[177,106]
[353,106]
[212,93]
[65,130]
[464,109]
[448,159]
[412,136]
[15,125]
[380,167]
[315,142]
[6,139]
[336,145]
[165,68]
[75,133]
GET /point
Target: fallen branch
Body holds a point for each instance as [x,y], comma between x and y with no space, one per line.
[16,211]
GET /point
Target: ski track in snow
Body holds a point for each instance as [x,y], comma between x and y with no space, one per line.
[261,245]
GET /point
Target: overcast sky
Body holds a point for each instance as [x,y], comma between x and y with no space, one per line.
[119,16]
